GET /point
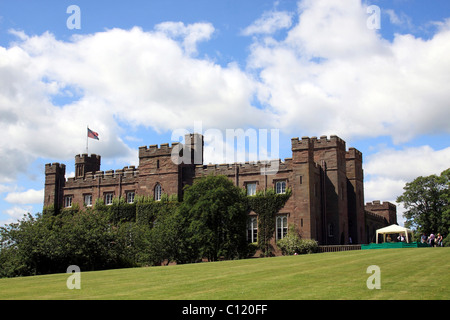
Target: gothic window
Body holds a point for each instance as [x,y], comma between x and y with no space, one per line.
[252,230]
[130,197]
[330,230]
[280,187]
[80,171]
[68,201]
[251,189]
[109,198]
[88,200]
[158,192]
[281,225]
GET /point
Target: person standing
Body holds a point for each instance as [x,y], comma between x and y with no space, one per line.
[423,238]
[439,240]
[432,238]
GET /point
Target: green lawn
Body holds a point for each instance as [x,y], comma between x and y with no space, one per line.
[417,273]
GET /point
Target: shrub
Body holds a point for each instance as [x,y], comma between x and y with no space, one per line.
[446,241]
[293,244]
[308,246]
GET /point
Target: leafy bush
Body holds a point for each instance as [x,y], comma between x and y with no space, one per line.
[293,244]
[446,241]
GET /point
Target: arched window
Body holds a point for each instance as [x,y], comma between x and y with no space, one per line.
[252,230]
[281,226]
[158,192]
[280,187]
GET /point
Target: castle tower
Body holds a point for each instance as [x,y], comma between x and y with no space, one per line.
[195,142]
[355,195]
[54,184]
[305,184]
[330,155]
[85,163]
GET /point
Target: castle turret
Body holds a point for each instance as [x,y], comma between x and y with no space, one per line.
[85,163]
[54,184]
[355,195]
[330,154]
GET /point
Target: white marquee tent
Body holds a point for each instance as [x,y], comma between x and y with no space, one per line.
[393,229]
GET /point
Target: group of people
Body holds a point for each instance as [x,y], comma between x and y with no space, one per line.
[432,240]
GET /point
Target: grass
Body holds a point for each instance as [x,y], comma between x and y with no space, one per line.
[416,273]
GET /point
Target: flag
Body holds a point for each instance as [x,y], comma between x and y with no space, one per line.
[92,134]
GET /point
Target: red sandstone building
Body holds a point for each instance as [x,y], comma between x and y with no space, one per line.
[327,201]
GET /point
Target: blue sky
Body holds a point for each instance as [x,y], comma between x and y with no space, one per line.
[138,70]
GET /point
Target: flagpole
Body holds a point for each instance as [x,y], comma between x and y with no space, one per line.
[87,140]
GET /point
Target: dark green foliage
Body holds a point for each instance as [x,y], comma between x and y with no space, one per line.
[49,244]
[210,223]
[213,215]
[266,205]
[119,210]
[147,209]
[427,203]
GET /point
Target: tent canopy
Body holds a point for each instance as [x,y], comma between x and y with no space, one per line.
[393,229]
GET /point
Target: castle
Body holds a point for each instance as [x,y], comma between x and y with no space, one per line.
[326,204]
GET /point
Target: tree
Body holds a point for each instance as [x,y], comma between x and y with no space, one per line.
[427,203]
[213,215]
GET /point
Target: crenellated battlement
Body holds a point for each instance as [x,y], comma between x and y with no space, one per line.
[83,158]
[353,153]
[323,142]
[303,144]
[154,150]
[386,209]
[243,168]
[125,175]
[54,167]
[378,205]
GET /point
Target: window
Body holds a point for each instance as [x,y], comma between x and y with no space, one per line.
[330,230]
[251,189]
[158,192]
[130,197]
[281,226]
[88,200]
[280,187]
[109,198]
[68,201]
[252,230]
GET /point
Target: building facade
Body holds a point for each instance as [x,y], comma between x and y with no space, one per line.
[326,179]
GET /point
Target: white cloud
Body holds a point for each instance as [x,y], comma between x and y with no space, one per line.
[408,163]
[332,74]
[389,171]
[383,188]
[190,34]
[401,19]
[269,23]
[17,213]
[30,196]
[5,188]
